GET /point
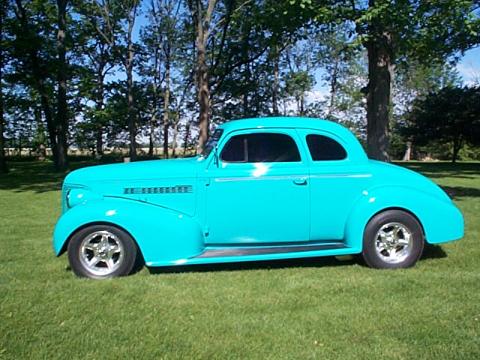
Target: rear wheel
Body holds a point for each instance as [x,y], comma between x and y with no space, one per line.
[392,239]
[102,251]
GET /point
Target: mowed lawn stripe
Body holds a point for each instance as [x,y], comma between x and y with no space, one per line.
[300,309]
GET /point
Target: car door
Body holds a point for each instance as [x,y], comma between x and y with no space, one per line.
[336,182]
[258,189]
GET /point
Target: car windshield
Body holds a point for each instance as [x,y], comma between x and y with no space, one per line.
[212,142]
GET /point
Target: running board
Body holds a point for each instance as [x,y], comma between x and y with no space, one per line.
[246,251]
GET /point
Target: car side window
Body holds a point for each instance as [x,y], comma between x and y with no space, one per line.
[260,147]
[323,148]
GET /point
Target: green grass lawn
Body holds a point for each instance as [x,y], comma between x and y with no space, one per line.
[302,309]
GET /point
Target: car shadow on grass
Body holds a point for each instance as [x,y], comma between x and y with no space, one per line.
[463,170]
[433,252]
[36,176]
[429,252]
[456,192]
[32,176]
[316,262]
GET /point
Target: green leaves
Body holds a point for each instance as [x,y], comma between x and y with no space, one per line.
[450,115]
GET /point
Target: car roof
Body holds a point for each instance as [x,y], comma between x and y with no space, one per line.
[355,150]
[283,122]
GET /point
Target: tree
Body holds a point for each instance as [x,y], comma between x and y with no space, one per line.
[450,115]
[36,54]
[3,161]
[125,13]
[130,8]
[423,30]
[101,27]
[396,31]
[230,38]
[298,78]
[413,82]
[202,17]
[62,69]
[342,60]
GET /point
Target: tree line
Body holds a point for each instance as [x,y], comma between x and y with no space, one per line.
[99,73]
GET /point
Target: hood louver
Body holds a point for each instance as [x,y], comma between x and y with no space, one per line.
[177,189]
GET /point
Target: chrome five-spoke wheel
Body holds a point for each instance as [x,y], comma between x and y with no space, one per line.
[393,242]
[392,239]
[102,251]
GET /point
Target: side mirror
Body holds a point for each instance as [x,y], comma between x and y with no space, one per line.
[215,156]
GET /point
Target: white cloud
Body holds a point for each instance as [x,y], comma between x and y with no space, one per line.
[469,67]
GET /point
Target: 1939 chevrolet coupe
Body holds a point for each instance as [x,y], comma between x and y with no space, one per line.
[271,188]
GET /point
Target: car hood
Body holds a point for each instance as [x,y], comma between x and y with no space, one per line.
[135,171]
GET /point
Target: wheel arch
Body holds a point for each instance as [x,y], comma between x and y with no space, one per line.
[64,247]
[399,208]
[160,234]
[440,220]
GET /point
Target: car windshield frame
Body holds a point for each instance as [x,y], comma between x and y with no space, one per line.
[212,142]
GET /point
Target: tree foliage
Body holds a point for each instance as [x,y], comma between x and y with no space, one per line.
[450,115]
[100,74]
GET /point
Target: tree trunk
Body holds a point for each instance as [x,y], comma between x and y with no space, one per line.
[203,98]
[62,109]
[3,161]
[202,29]
[150,140]
[457,145]
[276,81]
[155,110]
[380,74]
[333,88]
[408,152]
[175,134]
[19,148]
[99,108]
[99,142]
[246,73]
[166,106]
[186,139]
[132,123]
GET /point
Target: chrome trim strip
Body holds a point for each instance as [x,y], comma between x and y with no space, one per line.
[252,251]
[248,178]
[291,177]
[323,176]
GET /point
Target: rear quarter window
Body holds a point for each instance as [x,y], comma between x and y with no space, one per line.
[324,148]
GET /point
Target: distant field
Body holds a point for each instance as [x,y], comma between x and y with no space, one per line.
[303,309]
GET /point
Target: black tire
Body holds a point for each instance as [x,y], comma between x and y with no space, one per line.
[101,252]
[392,239]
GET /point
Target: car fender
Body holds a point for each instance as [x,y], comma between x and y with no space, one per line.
[440,219]
[160,233]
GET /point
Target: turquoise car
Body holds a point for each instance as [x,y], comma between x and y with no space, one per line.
[263,189]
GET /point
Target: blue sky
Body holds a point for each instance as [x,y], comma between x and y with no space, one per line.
[469,66]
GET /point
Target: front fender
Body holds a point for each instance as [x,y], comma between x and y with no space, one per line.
[441,220]
[161,234]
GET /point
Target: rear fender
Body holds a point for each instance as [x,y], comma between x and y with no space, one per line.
[440,218]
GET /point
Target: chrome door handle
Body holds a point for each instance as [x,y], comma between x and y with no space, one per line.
[300,181]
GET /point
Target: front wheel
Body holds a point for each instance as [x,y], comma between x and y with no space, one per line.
[102,251]
[392,239]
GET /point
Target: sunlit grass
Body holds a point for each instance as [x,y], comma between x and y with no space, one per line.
[303,309]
